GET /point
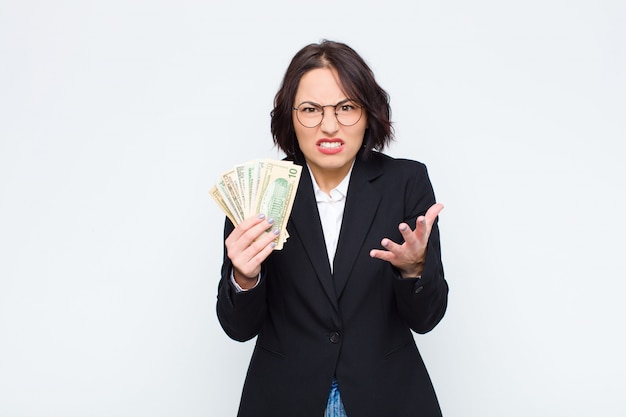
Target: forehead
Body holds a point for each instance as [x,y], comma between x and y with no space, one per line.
[320,85]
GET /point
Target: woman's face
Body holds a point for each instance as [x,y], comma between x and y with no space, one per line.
[330,147]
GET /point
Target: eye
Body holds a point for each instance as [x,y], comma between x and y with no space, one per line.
[346,108]
[309,108]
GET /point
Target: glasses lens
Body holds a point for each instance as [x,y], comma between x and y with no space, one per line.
[309,114]
[348,113]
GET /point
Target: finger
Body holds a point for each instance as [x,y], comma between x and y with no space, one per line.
[245,225]
[407,233]
[433,212]
[263,245]
[250,231]
[265,239]
[383,255]
[424,223]
[421,228]
[266,250]
[390,245]
[255,231]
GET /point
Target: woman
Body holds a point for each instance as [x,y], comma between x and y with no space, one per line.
[332,313]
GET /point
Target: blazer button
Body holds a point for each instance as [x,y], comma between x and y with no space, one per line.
[334,337]
[418,289]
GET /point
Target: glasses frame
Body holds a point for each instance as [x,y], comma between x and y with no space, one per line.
[334,106]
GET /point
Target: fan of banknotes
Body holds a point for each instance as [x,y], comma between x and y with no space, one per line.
[259,186]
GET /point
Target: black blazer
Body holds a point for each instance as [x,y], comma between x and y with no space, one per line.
[355,323]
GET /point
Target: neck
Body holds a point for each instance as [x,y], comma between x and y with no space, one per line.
[327,179]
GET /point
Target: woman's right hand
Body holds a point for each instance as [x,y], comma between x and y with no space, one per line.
[248,246]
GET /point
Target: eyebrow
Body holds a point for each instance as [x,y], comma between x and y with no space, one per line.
[324,105]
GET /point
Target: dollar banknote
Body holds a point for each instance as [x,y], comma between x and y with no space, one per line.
[260,186]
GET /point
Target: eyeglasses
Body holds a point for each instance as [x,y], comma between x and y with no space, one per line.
[311,114]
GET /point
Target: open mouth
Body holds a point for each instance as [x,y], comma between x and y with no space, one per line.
[330,145]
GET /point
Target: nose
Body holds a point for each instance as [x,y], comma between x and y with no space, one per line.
[329,121]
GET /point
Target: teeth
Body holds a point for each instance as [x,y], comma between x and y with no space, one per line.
[330,145]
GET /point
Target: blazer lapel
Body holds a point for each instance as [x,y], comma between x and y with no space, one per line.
[306,222]
[362,203]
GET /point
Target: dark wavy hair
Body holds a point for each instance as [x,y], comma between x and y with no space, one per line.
[357,81]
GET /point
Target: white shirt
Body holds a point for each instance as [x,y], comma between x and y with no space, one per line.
[330,208]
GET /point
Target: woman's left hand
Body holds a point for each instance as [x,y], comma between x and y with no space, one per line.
[409,256]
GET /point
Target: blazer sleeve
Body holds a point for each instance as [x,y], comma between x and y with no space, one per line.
[422,301]
[241,314]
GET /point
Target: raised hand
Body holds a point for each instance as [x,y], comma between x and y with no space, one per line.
[409,256]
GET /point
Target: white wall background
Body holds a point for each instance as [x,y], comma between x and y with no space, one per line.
[116,117]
